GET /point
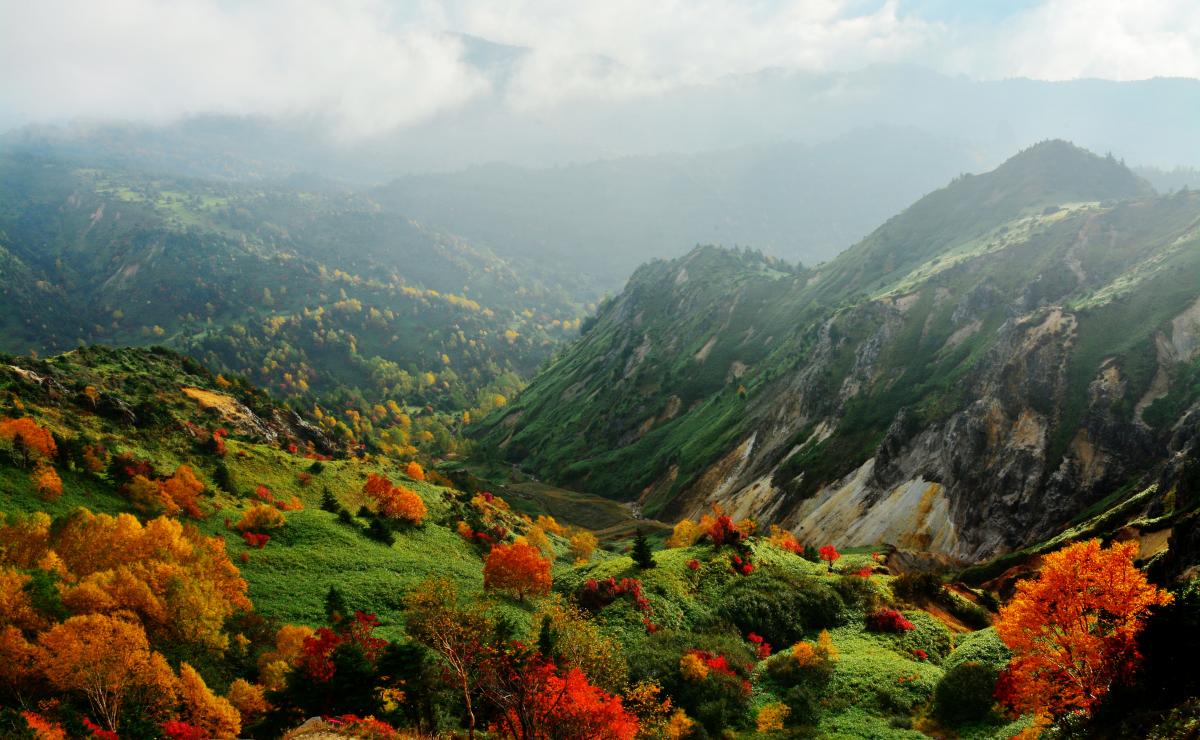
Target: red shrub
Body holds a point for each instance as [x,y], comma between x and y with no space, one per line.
[255,540]
[177,730]
[724,532]
[888,620]
[596,595]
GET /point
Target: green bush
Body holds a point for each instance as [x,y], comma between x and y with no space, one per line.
[860,594]
[930,635]
[916,588]
[781,609]
[718,701]
[981,647]
[965,693]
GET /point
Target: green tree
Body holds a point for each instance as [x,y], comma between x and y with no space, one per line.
[643,556]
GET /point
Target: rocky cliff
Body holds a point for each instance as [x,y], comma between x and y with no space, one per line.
[1010,352]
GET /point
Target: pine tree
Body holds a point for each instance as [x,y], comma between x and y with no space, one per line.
[546,638]
[643,556]
[336,609]
[329,502]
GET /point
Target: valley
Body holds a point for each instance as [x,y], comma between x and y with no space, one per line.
[327,467]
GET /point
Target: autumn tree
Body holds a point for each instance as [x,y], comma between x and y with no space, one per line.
[179,583]
[1073,629]
[459,635]
[537,702]
[829,553]
[518,568]
[46,482]
[579,643]
[583,544]
[108,661]
[29,441]
[414,470]
[183,491]
[394,502]
[248,699]
[213,715]
[537,537]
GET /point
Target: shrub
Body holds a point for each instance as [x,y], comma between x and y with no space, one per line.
[724,532]
[260,517]
[983,646]
[771,717]
[966,693]
[414,470]
[888,620]
[781,609]
[929,635]
[860,593]
[595,595]
[379,531]
[917,588]
[719,701]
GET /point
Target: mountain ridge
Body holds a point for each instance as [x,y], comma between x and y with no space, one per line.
[840,399]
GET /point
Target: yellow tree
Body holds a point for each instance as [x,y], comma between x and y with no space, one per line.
[215,716]
[1073,629]
[108,661]
[459,635]
[583,544]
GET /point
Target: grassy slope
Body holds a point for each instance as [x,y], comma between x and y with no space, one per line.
[289,578]
[579,422]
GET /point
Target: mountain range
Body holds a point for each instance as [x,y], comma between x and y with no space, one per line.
[1012,352]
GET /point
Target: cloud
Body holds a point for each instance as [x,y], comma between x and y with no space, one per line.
[354,66]
[1109,39]
[367,67]
[619,48]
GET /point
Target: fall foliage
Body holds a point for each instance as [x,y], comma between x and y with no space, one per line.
[1073,629]
[177,582]
[518,568]
[583,544]
[29,440]
[46,482]
[394,502]
[108,661]
[414,470]
[211,714]
[261,517]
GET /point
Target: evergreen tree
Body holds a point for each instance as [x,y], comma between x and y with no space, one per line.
[643,556]
[222,477]
[336,608]
[329,502]
[546,638]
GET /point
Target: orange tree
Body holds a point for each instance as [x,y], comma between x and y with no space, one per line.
[1072,631]
[518,568]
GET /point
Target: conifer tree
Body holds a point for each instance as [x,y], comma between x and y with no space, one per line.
[643,556]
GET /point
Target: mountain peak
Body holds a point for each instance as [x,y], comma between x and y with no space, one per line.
[1058,168]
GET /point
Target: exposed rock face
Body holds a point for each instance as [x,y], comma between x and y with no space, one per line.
[966,381]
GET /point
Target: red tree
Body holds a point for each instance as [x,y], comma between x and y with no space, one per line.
[1073,630]
[829,553]
[518,568]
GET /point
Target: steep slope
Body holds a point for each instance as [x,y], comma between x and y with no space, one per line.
[1007,352]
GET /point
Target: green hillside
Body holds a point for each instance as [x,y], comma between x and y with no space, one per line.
[997,339]
[155,410]
[316,293]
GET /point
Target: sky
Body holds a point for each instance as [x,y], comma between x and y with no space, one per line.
[367,66]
